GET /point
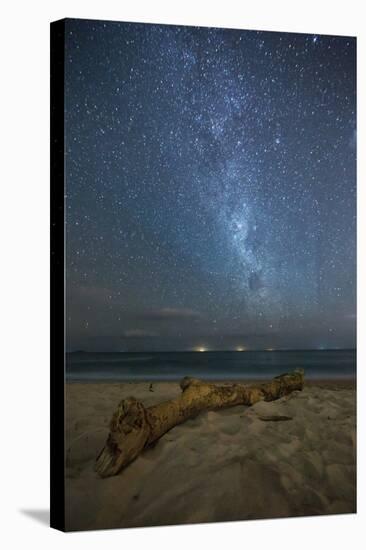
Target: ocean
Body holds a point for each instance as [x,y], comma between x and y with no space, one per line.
[210,365]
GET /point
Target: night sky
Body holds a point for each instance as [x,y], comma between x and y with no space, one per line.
[210,188]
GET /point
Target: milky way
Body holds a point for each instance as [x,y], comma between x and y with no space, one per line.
[210,188]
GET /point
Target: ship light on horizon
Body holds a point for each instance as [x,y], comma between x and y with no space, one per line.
[241,348]
[201,349]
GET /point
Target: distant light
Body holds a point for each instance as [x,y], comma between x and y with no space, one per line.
[270,349]
[201,349]
[241,349]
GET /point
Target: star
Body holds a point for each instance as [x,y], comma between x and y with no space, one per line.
[210,174]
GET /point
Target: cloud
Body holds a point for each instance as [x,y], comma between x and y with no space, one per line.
[171,314]
[139,333]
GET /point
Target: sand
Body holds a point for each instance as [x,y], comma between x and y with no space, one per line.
[231,464]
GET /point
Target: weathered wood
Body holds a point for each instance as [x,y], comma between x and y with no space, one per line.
[134,427]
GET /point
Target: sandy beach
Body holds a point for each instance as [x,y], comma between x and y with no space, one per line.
[224,465]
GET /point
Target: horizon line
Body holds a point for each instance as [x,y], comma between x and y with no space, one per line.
[244,350]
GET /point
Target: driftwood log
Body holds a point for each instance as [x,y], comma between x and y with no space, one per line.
[134,427]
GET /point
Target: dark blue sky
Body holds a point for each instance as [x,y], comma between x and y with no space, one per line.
[210,188]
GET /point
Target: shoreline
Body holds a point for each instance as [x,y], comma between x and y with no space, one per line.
[348,382]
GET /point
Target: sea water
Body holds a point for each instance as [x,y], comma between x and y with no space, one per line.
[209,365]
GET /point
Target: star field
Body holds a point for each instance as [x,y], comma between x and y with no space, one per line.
[210,188]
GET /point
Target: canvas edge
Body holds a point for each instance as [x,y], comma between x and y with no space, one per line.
[57,269]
